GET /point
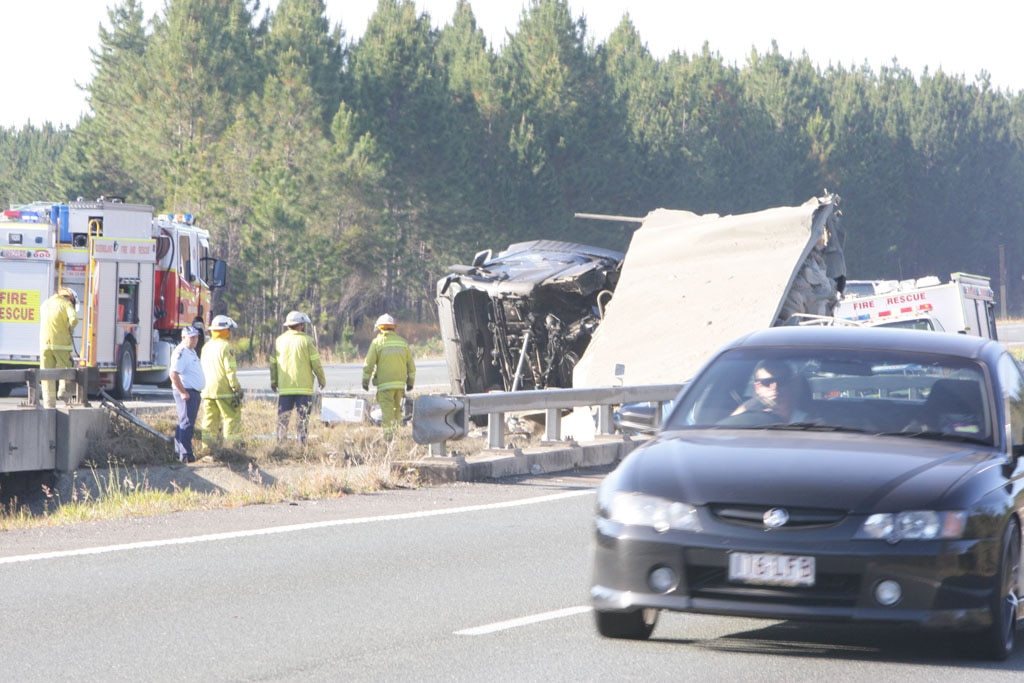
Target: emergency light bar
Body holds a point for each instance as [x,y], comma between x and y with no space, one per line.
[23,216]
[185,218]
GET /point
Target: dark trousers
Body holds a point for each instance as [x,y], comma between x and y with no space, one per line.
[186,427]
[301,404]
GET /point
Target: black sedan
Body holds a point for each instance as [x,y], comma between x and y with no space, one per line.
[821,473]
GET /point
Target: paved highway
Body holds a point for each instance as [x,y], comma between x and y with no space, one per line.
[466,582]
[348,377]
[431,376]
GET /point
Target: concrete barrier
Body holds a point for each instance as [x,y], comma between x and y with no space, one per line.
[45,439]
[494,464]
[75,427]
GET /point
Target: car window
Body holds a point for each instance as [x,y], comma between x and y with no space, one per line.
[907,393]
[1013,393]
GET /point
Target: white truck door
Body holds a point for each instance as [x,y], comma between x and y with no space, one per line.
[24,284]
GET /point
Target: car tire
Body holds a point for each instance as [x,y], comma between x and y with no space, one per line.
[996,642]
[124,375]
[632,625]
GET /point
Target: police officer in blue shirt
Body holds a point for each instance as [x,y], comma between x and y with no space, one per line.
[188,380]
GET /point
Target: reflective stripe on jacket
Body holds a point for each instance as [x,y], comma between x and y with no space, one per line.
[57,321]
[391,356]
[293,364]
[219,369]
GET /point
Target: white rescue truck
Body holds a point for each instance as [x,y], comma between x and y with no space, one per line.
[140,279]
[965,304]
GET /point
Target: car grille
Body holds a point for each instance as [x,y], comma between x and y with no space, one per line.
[829,590]
[753,516]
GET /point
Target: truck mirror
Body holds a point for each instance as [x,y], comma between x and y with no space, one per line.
[219,275]
[481,258]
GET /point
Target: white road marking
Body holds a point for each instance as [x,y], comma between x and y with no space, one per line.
[522,621]
[206,538]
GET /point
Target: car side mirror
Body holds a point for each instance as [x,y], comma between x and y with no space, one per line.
[481,258]
[637,418]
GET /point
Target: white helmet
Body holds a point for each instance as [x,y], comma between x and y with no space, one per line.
[385,320]
[69,294]
[296,318]
[222,322]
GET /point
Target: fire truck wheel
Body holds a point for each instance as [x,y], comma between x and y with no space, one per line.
[124,377]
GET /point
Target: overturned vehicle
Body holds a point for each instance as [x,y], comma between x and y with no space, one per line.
[521,319]
[552,314]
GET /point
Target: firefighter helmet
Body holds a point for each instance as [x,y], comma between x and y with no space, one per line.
[68,294]
[296,318]
[385,321]
[222,322]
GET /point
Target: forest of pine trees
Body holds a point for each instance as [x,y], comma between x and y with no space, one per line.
[343,177]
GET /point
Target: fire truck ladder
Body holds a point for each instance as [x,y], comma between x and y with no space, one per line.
[89,294]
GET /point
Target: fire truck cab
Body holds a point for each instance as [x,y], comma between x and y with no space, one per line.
[965,304]
[140,280]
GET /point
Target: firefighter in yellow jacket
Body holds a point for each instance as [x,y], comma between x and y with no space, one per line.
[390,364]
[222,395]
[57,321]
[293,364]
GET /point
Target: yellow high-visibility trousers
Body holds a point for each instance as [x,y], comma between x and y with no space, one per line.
[220,420]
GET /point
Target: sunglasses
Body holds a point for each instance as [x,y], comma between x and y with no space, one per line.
[766,381]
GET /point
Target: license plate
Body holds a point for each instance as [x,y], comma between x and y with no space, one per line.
[778,570]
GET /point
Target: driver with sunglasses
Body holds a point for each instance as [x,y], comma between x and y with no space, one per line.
[776,390]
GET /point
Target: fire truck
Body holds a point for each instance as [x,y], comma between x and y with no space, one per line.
[965,304]
[140,279]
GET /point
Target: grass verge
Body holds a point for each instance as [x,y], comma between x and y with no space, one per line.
[117,479]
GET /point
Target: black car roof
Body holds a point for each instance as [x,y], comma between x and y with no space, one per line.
[968,346]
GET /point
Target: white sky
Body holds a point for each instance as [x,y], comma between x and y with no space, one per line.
[44,50]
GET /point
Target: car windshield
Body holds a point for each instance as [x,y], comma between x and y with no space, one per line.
[905,393]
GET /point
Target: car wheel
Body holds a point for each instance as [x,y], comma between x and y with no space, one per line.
[124,377]
[633,625]
[996,642]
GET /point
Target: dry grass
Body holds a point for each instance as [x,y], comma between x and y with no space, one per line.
[338,460]
[352,443]
[1017,351]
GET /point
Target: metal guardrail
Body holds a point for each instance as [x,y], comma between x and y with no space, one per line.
[439,419]
[78,379]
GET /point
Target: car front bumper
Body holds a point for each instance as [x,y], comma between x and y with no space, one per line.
[945,585]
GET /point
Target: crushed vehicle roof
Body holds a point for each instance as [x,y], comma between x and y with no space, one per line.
[520,319]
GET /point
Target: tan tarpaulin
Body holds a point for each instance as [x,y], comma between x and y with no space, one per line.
[691,283]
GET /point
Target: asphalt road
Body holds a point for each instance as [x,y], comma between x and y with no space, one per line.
[431,376]
[466,582]
[431,373]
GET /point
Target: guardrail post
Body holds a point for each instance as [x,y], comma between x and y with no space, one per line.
[32,379]
[81,395]
[496,430]
[437,449]
[553,424]
[605,424]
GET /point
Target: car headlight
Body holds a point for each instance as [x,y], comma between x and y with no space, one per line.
[914,525]
[660,514]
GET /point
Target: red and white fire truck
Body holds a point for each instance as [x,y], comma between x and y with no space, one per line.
[139,278]
[965,304]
